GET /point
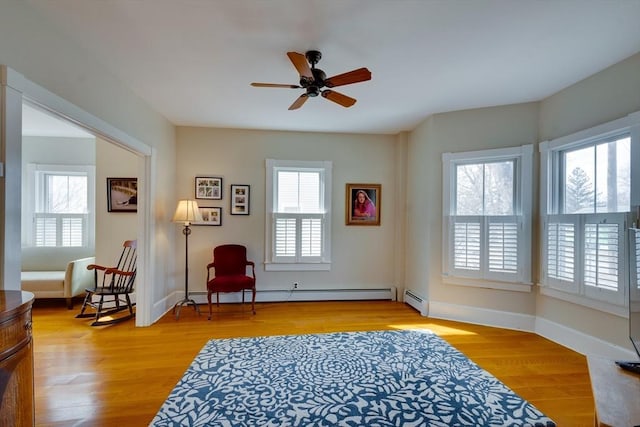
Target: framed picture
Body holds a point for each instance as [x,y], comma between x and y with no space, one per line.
[122,194]
[208,187]
[363,204]
[239,199]
[210,216]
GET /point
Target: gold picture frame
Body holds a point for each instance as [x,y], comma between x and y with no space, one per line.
[363,204]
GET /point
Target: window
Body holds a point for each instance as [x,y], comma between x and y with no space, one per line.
[58,213]
[298,215]
[586,203]
[487,215]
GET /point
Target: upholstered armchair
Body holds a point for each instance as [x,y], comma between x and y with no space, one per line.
[230,267]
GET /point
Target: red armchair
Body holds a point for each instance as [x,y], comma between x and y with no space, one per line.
[230,274]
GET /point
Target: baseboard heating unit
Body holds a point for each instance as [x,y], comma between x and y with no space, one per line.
[416,302]
[303,295]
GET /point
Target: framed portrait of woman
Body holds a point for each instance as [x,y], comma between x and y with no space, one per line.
[363,204]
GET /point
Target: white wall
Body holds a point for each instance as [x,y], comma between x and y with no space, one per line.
[112,228]
[494,127]
[39,52]
[53,151]
[363,256]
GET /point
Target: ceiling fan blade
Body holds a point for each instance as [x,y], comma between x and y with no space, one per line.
[355,76]
[300,62]
[299,101]
[275,85]
[338,98]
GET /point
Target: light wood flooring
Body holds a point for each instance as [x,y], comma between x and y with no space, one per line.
[119,375]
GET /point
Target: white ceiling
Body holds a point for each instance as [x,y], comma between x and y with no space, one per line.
[36,122]
[193,60]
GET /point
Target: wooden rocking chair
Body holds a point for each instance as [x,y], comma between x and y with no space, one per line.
[112,286]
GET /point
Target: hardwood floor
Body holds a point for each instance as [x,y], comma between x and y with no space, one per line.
[119,375]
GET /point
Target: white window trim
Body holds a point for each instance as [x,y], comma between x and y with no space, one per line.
[523,208]
[323,264]
[30,201]
[576,294]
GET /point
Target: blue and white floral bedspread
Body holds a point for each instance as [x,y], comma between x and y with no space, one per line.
[384,378]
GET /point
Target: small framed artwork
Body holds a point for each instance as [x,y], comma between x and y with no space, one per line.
[239,199]
[122,194]
[208,187]
[363,204]
[210,216]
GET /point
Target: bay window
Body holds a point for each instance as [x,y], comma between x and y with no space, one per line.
[586,204]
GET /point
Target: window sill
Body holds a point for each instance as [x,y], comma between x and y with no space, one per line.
[489,284]
[320,266]
[603,306]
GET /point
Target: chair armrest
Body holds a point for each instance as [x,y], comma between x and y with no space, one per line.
[119,272]
[209,267]
[253,268]
[78,277]
[97,267]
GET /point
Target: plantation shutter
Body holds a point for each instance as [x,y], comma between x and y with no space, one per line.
[73,231]
[503,246]
[311,237]
[67,230]
[466,243]
[634,282]
[45,230]
[298,237]
[601,250]
[285,241]
[560,254]
[487,247]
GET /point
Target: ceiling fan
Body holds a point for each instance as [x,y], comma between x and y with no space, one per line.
[313,79]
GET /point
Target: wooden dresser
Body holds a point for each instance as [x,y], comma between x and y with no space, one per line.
[16,359]
[616,394]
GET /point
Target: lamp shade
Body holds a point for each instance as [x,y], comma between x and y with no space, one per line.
[187,212]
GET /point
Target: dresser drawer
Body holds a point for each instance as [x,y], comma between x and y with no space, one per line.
[15,333]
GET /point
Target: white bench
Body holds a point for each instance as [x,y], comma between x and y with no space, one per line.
[60,284]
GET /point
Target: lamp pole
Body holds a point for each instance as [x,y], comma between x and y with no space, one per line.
[186,300]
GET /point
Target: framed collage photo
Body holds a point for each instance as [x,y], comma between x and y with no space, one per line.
[122,194]
[210,216]
[208,187]
[363,204]
[240,199]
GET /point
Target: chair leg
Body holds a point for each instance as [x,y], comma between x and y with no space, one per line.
[209,301]
[129,304]
[253,300]
[99,310]
[85,303]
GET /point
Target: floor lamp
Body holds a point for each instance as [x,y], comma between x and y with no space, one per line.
[186,213]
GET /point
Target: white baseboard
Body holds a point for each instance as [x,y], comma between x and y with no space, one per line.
[563,335]
[482,316]
[581,342]
[200,297]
